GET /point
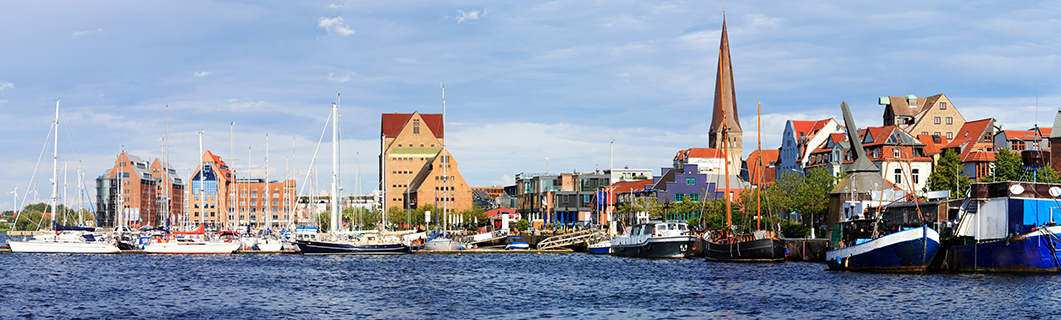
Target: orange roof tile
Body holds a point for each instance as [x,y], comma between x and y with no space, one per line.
[628,186]
[392,123]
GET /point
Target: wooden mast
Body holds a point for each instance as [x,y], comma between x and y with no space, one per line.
[759,168]
[725,145]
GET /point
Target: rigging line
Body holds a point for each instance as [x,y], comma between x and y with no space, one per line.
[33,178]
[313,161]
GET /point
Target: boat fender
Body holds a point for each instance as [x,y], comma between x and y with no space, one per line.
[787,252]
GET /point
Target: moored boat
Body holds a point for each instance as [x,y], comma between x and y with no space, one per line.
[363,242]
[758,246]
[1007,227]
[516,242]
[654,240]
[192,242]
[910,250]
[603,247]
[440,241]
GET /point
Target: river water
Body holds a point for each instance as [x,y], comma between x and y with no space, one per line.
[504,286]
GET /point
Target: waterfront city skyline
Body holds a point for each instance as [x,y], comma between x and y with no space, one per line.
[525,81]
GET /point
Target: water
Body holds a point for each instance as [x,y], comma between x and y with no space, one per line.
[495,286]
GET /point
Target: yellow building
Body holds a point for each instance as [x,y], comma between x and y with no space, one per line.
[414,170]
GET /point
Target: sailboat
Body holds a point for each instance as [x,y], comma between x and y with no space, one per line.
[63,239]
[358,242]
[727,244]
[198,244]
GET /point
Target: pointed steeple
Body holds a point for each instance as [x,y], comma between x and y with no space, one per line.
[725,94]
[726,99]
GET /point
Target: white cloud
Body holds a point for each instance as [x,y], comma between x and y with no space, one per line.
[606,25]
[4,85]
[342,78]
[335,25]
[86,32]
[758,20]
[624,74]
[469,16]
[336,6]
[3,101]
[202,73]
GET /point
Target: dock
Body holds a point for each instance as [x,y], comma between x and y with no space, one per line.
[806,249]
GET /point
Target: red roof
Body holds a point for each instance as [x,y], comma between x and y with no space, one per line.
[394,122]
[627,186]
[808,128]
[968,135]
[754,171]
[225,173]
[932,143]
[498,211]
[698,153]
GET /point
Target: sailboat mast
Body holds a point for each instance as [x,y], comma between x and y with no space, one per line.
[55,164]
[166,186]
[759,168]
[202,188]
[335,168]
[268,205]
[445,163]
[725,143]
[232,155]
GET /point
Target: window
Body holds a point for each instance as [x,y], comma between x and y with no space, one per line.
[950,120]
[679,197]
[898,176]
[950,135]
[254,203]
[924,133]
[254,217]
[197,213]
[254,195]
[231,217]
[935,134]
[276,203]
[416,126]
[196,197]
[943,106]
[694,197]
[895,153]
[914,173]
[275,217]
[690,181]
[276,195]
[935,120]
[876,154]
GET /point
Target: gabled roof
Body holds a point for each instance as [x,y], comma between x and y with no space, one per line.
[933,144]
[967,136]
[683,155]
[1027,135]
[393,123]
[808,127]
[890,135]
[900,105]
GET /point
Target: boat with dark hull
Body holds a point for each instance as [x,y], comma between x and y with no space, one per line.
[335,247]
[1007,227]
[655,240]
[759,246]
[909,250]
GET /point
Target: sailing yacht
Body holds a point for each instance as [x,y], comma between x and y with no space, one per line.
[358,242]
[62,239]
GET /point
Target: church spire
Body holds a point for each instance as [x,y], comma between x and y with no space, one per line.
[724,86]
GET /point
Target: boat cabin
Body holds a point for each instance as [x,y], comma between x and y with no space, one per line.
[999,210]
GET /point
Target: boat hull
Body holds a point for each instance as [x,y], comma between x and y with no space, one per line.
[600,248]
[443,244]
[1035,252]
[905,251]
[673,247]
[191,247]
[762,250]
[327,247]
[61,247]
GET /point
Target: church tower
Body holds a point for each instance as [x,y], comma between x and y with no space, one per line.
[726,99]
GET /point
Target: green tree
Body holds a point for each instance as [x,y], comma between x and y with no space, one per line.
[946,175]
[522,225]
[1008,166]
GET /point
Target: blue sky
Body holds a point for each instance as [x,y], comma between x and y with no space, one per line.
[525,81]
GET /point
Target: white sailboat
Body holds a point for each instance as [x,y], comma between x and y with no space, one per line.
[62,239]
[199,244]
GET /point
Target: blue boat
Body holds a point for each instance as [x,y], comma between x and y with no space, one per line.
[910,250]
[516,242]
[603,247]
[1007,227]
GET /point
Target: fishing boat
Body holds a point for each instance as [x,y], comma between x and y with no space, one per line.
[860,239]
[654,240]
[1008,226]
[357,242]
[61,239]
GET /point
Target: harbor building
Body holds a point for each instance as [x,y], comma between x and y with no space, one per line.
[149,191]
[799,139]
[765,169]
[1019,140]
[627,174]
[564,198]
[724,112]
[1055,142]
[219,200]
[415,169]
[934,115]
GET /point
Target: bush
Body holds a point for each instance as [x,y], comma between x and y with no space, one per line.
[522,225]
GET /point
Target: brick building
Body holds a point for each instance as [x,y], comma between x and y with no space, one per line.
[259,202]
[414,169]
[143,198]
[933,115]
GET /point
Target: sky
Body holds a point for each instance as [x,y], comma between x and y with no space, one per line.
[531,86]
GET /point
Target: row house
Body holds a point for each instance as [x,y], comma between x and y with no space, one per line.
[899,155]
[974,144]
[761,166]
[564,198]
[799,139]
[934,115]
[1019,140]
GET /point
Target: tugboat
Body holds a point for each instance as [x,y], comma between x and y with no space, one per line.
[655,240]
